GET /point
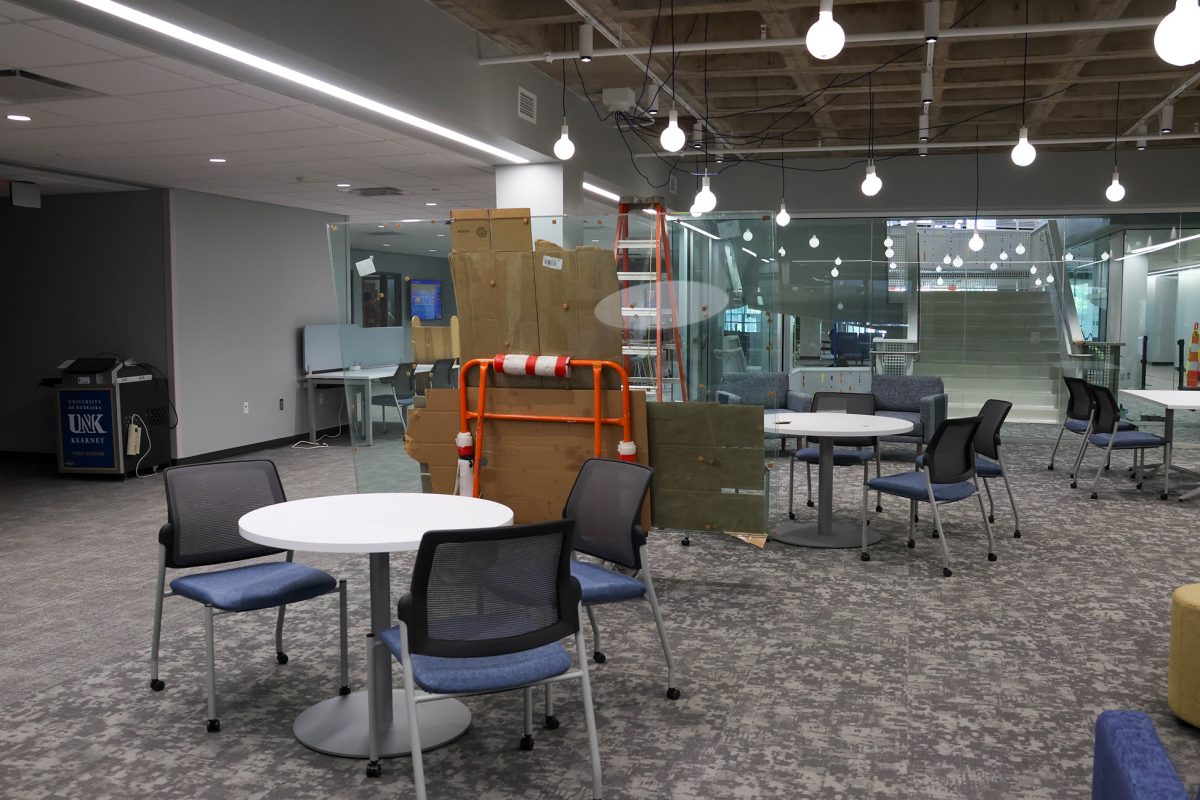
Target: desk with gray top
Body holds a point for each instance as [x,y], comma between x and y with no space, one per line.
[1170,400]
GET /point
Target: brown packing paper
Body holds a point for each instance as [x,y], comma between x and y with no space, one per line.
[511,230]
[470,230]
[498,313]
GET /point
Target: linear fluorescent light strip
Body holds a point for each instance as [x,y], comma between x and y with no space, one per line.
[692,227]
[1172,270]
[1156,247]
[751,252]
[605,193]
[249,59]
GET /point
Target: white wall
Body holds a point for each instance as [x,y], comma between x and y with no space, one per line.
[245,279]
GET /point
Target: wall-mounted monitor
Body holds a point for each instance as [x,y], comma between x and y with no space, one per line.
[425,299]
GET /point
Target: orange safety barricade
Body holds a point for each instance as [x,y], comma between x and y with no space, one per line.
[470,448]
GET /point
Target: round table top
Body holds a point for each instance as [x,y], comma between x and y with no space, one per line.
[799,423]
[367,523]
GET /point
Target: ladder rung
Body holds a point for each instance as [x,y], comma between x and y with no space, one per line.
[637,244]
[648,311]
[637,276]
[633,384]
[647,348]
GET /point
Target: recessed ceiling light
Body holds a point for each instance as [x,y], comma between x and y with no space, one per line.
[441,236]
[385,244]
[343,186]
[431,204]
[381,226]
[410,220]
[20,118]
[216,161]
[432,250]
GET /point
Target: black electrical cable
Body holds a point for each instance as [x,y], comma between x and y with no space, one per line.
[1116,125]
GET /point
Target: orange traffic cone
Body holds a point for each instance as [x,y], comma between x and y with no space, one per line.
[1193,359]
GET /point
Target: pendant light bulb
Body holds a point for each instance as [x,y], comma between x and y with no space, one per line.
[748,235]
[1033,270]
[705,199]
[782,218]
[994,266]
[825,38]
[889,253]
[564,148]
[1004,255]
[837,261]
[940,281]
[938,268]
[1037,282]
[946,259]
[871,183]
[888,242]
[695,212]
[1020,248]
[1104,256]
[976,243]
[891,265]
[1115,191]
[1177,37]
[673,137]
[1049,279]
[1023,153]
[782,252]
[833,273]
[1068,256]
[814,242]
[958,262]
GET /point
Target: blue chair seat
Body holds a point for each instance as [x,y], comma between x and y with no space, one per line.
[275,583]
[984,467]
[1127,440]
[486,674]
[912,485]
[1080,426]
[601,585]
[841,458]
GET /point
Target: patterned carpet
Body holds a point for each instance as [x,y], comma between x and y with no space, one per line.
[805,673]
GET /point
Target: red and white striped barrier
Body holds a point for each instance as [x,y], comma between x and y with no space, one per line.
[627,451]
[466,455]
[543,366]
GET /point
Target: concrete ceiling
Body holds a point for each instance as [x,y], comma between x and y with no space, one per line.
[145,120]
[782,94]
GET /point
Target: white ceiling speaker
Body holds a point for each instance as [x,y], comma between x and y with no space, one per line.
[1177,37]
[825,38]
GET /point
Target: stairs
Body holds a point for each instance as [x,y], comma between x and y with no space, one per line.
[993,344]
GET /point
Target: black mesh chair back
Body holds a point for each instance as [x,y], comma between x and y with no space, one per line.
[443,373]
[951,456]
[403,383]
[1079,402]
[848,403]
[987,438]
[1108,413]
[492,591]
[606,504]
[204,503]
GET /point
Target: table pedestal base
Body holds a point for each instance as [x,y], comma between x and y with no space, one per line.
[842,536]
[338,726]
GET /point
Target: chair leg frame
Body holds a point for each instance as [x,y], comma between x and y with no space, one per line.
[1087,434]
[1056,443]
[791,486]
[159,596]
[651,596]
[1107,455]
[1012,500]
[591,615]
[937,522]
[210,664]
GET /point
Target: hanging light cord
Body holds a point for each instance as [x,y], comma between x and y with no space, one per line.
[976,226]
[1025,65]
[870,118]
[566,44]
[1116,124]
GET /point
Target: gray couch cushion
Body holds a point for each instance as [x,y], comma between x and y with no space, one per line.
[904,392]
[766,389]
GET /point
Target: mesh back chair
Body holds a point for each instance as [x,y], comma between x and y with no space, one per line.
[398,395]
[1079,417]
[1106,433]
[204,503]
[947,477]
[443,374]
[606,504]
[865,449]
[486,612]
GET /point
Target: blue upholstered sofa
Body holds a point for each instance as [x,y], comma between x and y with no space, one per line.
[920,399]
[1129,762]
[766,389]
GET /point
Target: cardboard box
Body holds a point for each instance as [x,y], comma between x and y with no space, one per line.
[470,230]
[511,230]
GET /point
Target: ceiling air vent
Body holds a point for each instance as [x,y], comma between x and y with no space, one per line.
[378,191]
[526,105]
[19,86]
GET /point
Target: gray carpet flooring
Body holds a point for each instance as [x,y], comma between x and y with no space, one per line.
[805,673]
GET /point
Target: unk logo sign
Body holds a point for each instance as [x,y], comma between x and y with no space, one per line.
[86,423]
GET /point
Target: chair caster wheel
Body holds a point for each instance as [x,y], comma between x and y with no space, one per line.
[809,504]
[1107,467]
[1016,534]
[934,535]
[343,691]
[916,517]
[551,723]
[1095,496]
[599,657]
[157,685]
[672,693]
[1074,485]
[374,769]
[791,515]
[1050,467]
[878,509]
[1162,496]
[281,658]
[991,518]
[946,572]
[865,556]
[991,556]
[1138,486]
[214,725]
[911,543]
[686,541]
[527,743]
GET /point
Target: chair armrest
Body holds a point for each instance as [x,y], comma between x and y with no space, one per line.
[404,609]
[798,401]
[166,535]
[639,537]
[729,398]
[933,413]
[575,592]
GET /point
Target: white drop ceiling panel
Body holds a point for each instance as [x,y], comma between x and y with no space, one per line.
[98,40]
[104,109]
[190,70]
[266,121]
[273,99]
[323,136]
[26,47]
[120,77]
[208,100]
[16,12]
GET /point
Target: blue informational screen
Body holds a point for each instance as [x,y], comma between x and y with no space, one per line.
[85,418]
[425,299]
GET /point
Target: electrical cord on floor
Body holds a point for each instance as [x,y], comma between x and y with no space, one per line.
[307,445]
[135,417]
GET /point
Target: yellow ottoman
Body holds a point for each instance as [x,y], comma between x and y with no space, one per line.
[1183,674]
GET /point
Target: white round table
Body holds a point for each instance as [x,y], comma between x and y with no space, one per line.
[829,426]
[378,524]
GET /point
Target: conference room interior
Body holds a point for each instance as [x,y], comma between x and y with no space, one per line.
[230,234]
